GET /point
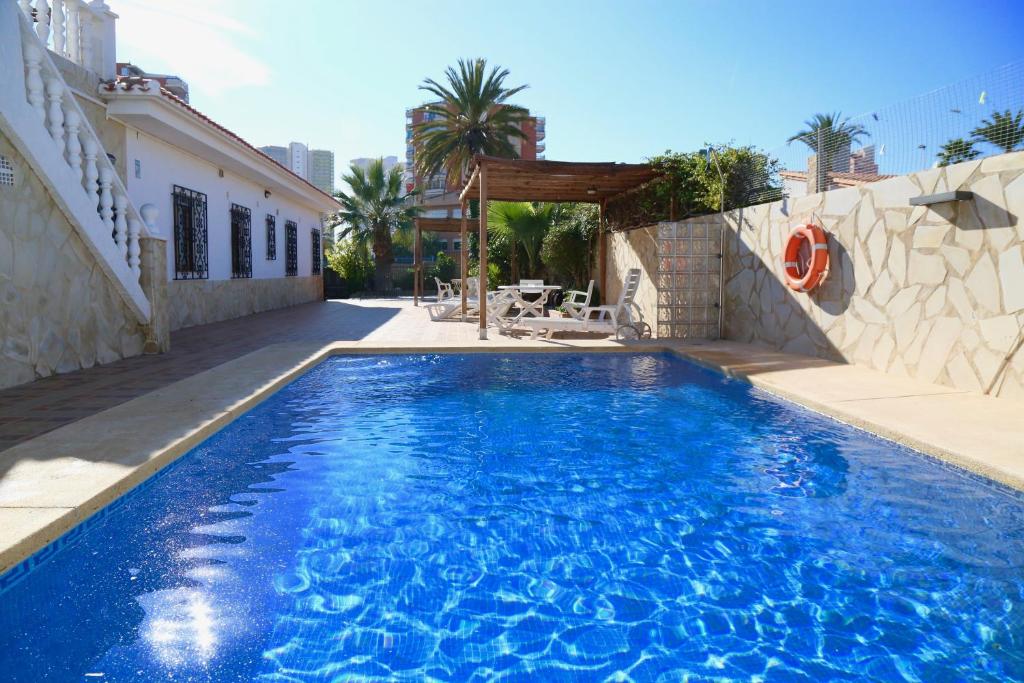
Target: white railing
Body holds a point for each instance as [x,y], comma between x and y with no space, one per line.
[73,29]
[79,145]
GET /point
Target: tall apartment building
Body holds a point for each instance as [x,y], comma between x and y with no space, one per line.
[314,165]
[321,169]
[532,147]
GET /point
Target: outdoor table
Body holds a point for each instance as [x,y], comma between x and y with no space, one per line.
[532,308]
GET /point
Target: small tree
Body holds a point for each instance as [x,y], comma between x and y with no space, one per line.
[567,251]
[351,260]
[444,268]
[956,151]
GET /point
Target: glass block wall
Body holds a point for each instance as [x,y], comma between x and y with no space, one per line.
[689,279]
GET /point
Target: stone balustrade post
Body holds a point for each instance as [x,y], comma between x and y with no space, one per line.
[153,278]
[106,35]
[57,26]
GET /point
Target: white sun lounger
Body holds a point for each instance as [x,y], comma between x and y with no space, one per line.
[603,319]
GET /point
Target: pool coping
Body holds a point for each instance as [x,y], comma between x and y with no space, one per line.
[44,491]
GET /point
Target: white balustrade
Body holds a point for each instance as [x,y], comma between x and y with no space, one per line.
[70,25]
[55,109]
[106,198]
[43,21]
[120,222]
[134,247]
[33,78]
[73,27]
[90,172]
[57,27]
[73,124]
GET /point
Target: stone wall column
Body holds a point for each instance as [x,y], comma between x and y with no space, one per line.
[154,284]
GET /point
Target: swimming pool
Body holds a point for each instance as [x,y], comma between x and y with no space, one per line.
[549,517]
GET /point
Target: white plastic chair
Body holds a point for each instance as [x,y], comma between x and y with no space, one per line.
[575,301]
[444,290]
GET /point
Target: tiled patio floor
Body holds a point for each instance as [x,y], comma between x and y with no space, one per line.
[30,410]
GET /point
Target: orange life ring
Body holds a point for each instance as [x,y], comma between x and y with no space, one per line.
[805,259]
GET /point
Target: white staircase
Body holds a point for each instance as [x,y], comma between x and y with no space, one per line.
[41,116]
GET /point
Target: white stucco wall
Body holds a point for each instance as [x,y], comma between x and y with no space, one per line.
[163,166]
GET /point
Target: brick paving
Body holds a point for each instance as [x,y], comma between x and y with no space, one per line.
[33,409]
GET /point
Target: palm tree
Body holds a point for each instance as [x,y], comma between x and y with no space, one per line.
[472,116]
[372,210]
[956,150]
[834,133]
[524,224]
[1004,130]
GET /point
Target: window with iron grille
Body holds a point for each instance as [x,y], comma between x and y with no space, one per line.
[190,255]
[241,242]
[271,237]
[317,255]
[291,248]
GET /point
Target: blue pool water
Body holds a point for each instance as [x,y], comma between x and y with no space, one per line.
[571,517]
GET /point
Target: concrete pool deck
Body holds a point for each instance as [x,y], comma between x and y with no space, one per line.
[53,481]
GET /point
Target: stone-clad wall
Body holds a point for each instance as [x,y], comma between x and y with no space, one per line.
[634,249]
[933,293]
[58,310]
[197,302]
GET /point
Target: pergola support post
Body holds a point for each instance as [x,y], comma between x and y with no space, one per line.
[464,266]
[416,264]
[419,250]
[602,252]
[482,167]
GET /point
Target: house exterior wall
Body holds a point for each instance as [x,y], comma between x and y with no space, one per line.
[58,310]
[197,302]
[933,293]
[163,166]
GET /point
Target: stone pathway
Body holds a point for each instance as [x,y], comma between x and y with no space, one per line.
[33,409]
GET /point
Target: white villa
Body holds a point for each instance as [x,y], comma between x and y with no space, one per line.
[125,213]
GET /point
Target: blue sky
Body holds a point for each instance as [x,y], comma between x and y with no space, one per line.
[616,80]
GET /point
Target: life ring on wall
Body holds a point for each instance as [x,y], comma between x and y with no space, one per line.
[805,259]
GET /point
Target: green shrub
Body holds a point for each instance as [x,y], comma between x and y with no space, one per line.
[351,260]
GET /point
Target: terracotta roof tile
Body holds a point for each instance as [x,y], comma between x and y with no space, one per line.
[144,84]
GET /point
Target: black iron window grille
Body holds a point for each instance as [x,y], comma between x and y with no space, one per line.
[271,237]
[291,248]
[241,242]
[317,255]
[190,254]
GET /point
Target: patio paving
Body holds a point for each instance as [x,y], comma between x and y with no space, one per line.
[33,409]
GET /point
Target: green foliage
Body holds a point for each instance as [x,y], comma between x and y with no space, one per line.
[956,151]
[1005,130]
[373,210]
[568,248]
[472,116]
[351,260]
[521,224]
[444,268]
[495,278]
[748,176]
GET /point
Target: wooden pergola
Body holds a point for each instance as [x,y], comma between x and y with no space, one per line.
[442,224]
[541,181]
